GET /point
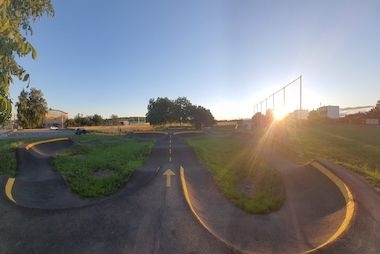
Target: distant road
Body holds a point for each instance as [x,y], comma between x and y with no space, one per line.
[36,133]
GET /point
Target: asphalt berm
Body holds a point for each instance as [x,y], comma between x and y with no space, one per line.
[37,185]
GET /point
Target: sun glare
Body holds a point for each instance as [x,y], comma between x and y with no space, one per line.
[278,115]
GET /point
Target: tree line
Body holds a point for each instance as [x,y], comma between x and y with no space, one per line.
[165,111]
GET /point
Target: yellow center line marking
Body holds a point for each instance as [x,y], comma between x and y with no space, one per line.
[170,148]
[27,147]
[350,204]
[8,189]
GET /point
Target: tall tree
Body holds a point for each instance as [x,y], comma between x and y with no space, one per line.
[15,24]
[201,117]
[160,111]
[97,120]
[22,108]
[163,110]
[31,108]
[115,119]
[5,108]
[182,110]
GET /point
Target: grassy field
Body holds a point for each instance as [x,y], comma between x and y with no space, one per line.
[355,147]
[241,175]
[101,164]
[119,129]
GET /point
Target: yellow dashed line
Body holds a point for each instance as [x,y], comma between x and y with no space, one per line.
[350,204]
[8,189]
[170,148]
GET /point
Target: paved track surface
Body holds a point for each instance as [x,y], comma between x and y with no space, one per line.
[148,217]
[37,185]
[364,234]
[313,210]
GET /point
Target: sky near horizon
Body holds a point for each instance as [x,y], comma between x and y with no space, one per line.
[111,57]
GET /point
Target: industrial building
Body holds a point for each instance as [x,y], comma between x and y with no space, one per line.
[55,117]
[330,112]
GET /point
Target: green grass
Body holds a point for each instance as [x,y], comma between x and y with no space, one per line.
[242,175]
[355,147]
[7,157]
[117,156]
[8,165]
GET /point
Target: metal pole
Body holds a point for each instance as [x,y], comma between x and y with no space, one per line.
[300,92]
[283,108]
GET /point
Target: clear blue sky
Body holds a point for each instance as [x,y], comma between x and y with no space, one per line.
[111,57]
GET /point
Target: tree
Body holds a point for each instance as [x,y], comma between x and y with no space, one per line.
[5,108]
[201,117]
[31,108]
[374,112]
[163,110]
[15,19]
[258,119]
[22,108]
[115,120]
[97,120]
[315,117]
[80,120]
[160,111]
[69,123]
[182,110]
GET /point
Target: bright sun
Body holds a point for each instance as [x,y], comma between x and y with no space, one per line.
[278,115]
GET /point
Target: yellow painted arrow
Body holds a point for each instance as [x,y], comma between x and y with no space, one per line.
[168,173]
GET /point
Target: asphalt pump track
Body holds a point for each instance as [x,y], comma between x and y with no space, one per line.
[37,185]
[316,218]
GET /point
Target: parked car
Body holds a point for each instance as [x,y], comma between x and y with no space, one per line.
[79,131]
[53,128]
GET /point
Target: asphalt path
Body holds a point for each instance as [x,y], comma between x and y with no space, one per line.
[363,235]
[313,210]
[148,217]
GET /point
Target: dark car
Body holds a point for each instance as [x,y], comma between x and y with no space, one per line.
[79,131]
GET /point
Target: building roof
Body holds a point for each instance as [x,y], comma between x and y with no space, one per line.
[55,112]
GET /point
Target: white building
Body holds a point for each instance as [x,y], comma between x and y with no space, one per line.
[331,112]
